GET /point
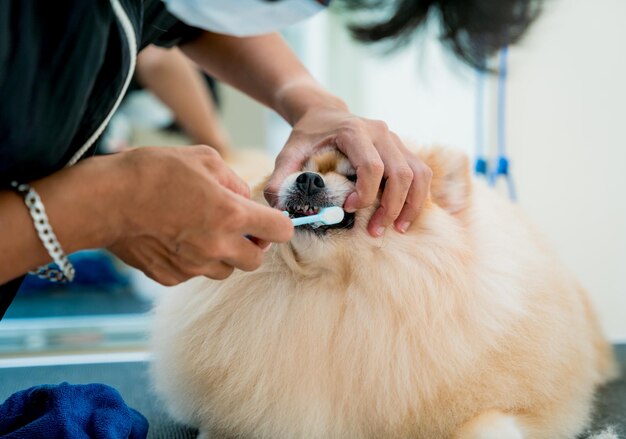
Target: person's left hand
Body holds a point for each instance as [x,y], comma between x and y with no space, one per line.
[376,153]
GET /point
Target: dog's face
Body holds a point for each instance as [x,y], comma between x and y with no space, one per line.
[325,180]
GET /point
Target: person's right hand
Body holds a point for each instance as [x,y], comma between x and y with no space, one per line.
[185,213]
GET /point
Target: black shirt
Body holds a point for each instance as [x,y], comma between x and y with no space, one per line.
[63,66]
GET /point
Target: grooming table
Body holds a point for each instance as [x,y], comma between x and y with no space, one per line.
[131,380]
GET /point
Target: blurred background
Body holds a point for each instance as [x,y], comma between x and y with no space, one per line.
[563,126]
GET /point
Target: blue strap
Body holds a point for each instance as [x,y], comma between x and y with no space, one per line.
[481,165]
[502,168]
[502,76]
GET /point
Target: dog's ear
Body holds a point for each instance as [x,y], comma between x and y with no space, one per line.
[451,186]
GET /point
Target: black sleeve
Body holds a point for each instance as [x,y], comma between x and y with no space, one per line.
[50,56]
[5,40]
[50,53]
[162,28]
[7,294]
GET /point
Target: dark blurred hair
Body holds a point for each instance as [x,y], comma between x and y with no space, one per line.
[473,29]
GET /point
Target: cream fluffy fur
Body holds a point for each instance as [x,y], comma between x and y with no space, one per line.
[465,327]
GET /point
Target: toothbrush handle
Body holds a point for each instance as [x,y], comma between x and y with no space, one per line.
[305,220]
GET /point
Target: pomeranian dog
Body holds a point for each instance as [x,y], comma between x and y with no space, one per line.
[466,326]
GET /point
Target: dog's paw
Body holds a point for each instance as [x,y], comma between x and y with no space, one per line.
[491,425]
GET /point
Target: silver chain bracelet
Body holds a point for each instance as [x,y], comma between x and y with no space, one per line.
[65,272]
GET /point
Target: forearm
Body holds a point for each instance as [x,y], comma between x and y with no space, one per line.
[263,67]
[177,82]
[78,206]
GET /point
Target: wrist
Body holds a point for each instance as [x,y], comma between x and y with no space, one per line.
[118,186]
[81,208]
[296,98]
[82,203]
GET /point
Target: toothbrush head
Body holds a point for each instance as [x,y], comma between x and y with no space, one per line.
[331,215]
[327,216]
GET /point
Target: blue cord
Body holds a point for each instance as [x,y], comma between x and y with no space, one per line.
[481,164]
[502,76]
[502,168]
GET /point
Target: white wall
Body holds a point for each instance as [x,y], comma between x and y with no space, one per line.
[567,122]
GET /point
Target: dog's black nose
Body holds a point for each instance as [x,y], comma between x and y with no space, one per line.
[310,183]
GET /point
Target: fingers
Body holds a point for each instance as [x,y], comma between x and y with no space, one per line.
[217,261]
[219,271]
[399,177]
[407,178]
[169,275]
[165,272]
[368,165]
[243,254]
[262,244]
[216,258]
[290,160]
[151,257]
[182,269]
[240,242]
[265,223]
[420,186]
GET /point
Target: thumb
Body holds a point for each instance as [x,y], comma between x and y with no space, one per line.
[266,224]
[289,160]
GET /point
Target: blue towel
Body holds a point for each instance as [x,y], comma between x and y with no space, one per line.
[67,411]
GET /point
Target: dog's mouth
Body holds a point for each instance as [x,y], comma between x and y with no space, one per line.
[304,210]
[301,210]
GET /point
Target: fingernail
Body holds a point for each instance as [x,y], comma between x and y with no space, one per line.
[267,248]
[379,231]
[403,226]
[348,206]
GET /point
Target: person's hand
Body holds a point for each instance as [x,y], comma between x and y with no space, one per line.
[376,153]
[185,213]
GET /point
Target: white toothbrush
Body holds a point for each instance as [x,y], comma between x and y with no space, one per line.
[326,216]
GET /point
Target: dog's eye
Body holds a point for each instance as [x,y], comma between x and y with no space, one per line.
[351,178]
